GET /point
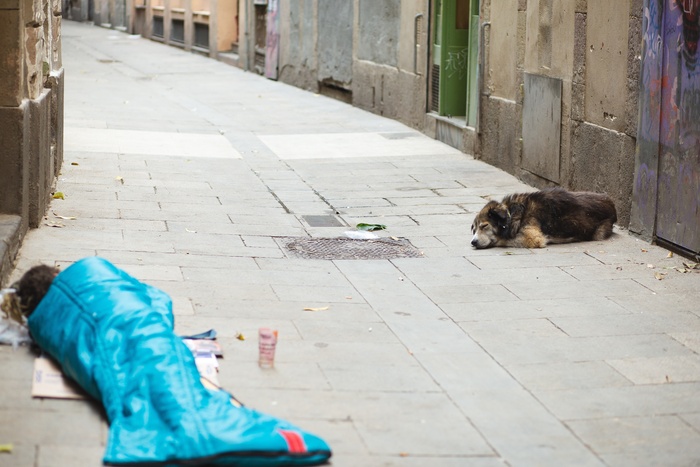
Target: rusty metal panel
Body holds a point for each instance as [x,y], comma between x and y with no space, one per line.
[542,126]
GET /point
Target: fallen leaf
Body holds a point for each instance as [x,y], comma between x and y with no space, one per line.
[396,239]
[659,275]
[240,336]
[644,251]
[650,266]
[6,447]
[74,163]
[190,231]
[119,179]
[57,225]
[370,227]
[670,254]
[59,195]
[321,308]
[508,253]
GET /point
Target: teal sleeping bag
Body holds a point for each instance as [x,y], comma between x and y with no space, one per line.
[114,336]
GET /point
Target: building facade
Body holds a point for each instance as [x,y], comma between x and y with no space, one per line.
[31,117]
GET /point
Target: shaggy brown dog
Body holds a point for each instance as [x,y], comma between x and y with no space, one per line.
[553,215]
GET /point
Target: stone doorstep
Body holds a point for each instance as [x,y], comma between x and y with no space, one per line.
[11,237]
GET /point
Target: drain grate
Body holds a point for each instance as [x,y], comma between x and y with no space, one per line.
[346,248]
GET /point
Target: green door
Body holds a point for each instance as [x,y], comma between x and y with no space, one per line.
[455,51]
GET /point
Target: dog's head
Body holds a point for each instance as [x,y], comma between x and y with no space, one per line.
[489,225]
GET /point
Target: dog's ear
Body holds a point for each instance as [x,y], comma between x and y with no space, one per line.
[499,213]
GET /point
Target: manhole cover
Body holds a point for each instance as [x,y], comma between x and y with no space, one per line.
[346,248]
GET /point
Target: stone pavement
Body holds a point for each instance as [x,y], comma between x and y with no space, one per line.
[185,172]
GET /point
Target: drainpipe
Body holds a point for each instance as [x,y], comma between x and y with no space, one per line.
[482,67]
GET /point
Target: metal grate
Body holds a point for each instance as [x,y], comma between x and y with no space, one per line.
[201,35]
[346,248]
[435,89]
[177,31]
[158,26]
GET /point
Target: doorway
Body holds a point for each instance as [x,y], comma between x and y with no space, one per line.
[666,196]
[453,90]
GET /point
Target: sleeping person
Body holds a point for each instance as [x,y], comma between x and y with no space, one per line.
[114,336]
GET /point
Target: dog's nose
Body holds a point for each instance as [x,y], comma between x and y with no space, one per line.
[474,241]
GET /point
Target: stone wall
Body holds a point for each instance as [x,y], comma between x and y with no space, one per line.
[31,117]
[591,49]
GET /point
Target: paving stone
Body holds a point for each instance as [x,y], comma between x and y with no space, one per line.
[356,331]
[237,374]
[217,276]
[23,454]
[652,302]
[522,260]
[539,438]
[376,377]
[330,294]
[343,436]
[512,346]
[560,289]
[658,440]
[422,437]
[567,375]
[689,339]
[59,455]
[632,323]
[525,309]
[44,427]
[659,370]
[628,401]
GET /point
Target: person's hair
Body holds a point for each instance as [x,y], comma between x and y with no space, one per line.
[33,286]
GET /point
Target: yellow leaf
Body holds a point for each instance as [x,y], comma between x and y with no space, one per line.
[322,308]
[240,337]
[59,195]
[6,447]
[670,254]
[74,163]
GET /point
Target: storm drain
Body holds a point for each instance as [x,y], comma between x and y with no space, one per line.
[346,248]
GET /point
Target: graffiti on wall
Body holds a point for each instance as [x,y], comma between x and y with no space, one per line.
[667,179]
[456,63]
[644,190]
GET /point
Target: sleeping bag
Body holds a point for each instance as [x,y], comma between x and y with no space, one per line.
[114,336]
